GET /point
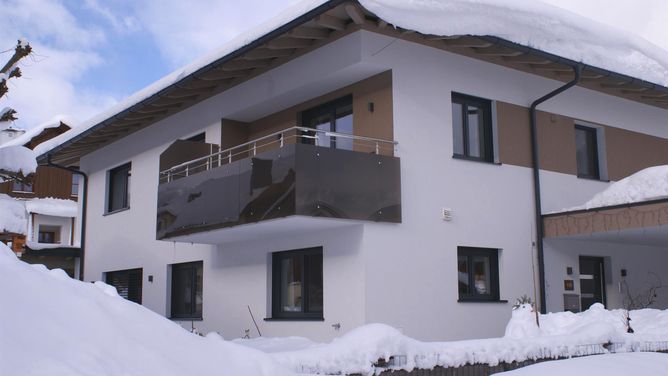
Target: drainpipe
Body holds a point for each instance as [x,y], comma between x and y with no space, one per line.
[577,69]
[84,205]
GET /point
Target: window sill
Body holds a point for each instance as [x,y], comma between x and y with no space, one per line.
[474,159]
[186,319]
[294,319]
[116,211]
[481,301]
[593,178]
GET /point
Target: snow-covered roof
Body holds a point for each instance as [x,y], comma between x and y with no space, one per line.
[52,206]
[13,218]
[17,159]
[645,185]
[29,134]
[528,23]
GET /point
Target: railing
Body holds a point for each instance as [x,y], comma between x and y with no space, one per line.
[277,140]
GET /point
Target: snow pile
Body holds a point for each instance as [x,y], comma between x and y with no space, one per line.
[17,159]
[373,348]
[526,22]
[13,217]
[54,325]
[40,246]
[645,364]
[52,206]
[648,184]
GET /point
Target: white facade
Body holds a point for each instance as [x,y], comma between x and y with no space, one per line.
[403,274]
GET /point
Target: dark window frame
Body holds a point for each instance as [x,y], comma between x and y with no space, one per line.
[330,108]
[488,135]
[493,255]
[46,237]
[119,172]
[596,175]
[192,313]
[277,312]
[109,276]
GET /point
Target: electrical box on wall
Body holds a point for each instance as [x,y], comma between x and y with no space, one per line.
[446,214]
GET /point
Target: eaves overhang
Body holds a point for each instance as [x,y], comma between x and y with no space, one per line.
[313,29]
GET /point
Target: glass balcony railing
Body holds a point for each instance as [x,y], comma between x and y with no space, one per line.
[297,171]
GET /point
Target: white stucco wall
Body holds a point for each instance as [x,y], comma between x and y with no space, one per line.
[403,275]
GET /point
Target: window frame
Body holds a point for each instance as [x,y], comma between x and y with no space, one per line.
[111,174]
[493,255]
[192,314]
[108,276]
[329,108]
[488,126]
[74,188]
[595,152]
[276,311]
[18,187]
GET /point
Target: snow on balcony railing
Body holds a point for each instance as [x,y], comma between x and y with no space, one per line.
[274,140]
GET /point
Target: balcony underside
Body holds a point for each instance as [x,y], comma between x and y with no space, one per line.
[299,181]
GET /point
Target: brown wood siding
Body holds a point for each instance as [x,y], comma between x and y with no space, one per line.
[378,124]
[627,151]
[47,182]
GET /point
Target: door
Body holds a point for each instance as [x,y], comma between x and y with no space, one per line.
[592,281]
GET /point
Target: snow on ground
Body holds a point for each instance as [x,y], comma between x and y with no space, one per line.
[12,215]
[648,184]
[562,334]
[53,325]
[52,206]
[645,364]
[17,159]
[527,22]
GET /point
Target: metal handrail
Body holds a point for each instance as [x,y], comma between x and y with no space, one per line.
[227,154]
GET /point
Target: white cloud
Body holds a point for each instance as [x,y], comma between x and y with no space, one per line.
[121,24]
[184,30]
[63,50]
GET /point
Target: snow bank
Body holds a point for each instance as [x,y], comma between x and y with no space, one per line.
[645,364]
[13,217]
[648,184]
[565,334]
[526,22]
[52,206]
[17,159]
[53,325]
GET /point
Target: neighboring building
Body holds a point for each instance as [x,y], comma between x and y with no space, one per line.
[339,171]
[9,134]
[43,229]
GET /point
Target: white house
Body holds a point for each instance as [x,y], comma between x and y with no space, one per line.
[352,164]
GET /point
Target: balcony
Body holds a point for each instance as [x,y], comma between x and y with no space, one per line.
[309,175]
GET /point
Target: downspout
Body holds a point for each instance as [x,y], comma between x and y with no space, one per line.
[540,233]
[84,205]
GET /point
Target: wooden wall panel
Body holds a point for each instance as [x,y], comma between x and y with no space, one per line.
[627,151]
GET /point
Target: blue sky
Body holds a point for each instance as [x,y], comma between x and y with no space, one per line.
[89,54]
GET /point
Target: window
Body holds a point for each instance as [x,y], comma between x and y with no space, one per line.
[335,116]
[21,187]
[478,274]
[75,184]
[186,294]
[297,284]
[48,234]
[118,188]
[472,128]
[127,283]
[586,149]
